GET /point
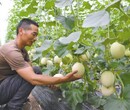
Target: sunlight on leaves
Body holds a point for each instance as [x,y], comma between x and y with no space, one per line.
[73,37]
[97,19]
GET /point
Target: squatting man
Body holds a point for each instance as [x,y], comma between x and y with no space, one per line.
[17,76]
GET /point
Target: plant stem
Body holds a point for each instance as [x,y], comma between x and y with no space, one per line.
[122,84]
[120,80]
[108,32]
[124,13]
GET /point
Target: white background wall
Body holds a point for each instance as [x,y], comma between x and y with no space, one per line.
[5,6]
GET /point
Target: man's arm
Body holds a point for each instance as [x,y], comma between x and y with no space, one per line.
[37,79]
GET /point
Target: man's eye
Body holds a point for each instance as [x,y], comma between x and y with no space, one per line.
[34,34]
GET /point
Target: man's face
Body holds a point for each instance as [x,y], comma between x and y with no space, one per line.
[30,35]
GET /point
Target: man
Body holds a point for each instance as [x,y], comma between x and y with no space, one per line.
[17,76]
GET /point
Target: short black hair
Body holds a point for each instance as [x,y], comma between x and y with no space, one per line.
[25,23]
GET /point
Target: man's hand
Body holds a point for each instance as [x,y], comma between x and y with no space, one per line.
[71,76]
[67,78]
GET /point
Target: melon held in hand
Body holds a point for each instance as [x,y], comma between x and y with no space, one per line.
[80,68]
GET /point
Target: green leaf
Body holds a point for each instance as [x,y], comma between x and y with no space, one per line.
[115,4]
[124,35]
[126,92]
[62,3]
[48,70]
[86,5]
[96,101]
[32,7]
[49,4]
[109,41]
[126,95]
[68,22]
[75,97]
[51,23]
[80,50]
[125,78]
[60,49]
[97,19]
[44,47]
[25,7]
[47,44]
[113,64]
[115,104]
[36,56]
[73,37]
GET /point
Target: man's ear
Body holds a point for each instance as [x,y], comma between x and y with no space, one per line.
[20,31]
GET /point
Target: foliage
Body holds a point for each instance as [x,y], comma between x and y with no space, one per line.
[74,27]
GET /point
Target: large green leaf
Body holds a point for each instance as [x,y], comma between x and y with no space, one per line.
[109,41]
[46,44]
[126,92]
[60,49]
[86,5]
[73,37]
[114,103]
[96,101]
[44,47]
[63,3]
[24,7]
[75,97]
[80,50]
[51,23]
[36,56]
[49,4]
[115,4]
[67,22]
[124,35]
[32,7]
[28,7]
[125,78]
[97,19]
[123,103]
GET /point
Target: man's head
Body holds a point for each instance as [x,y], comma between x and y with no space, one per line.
[25,23]
[27,31]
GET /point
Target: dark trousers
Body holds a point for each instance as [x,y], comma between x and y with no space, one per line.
[14,91]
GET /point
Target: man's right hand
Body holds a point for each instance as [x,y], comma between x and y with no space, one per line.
[71,76]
